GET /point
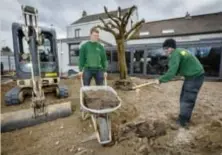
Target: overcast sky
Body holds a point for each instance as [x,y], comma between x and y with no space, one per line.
[61,13]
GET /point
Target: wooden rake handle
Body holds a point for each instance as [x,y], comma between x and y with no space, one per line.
[142,85]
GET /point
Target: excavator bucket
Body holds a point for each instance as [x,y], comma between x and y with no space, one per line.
[24,118]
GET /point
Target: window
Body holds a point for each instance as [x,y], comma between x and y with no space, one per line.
[114,63]
[138,61]
[108,55]
[114,56]
[168,31]
[156,62]
[77,33]
[144,33]
[73,54]
[46,55]
[209,57]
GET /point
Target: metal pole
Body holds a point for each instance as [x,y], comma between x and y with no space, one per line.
[131,60]
[145,61]
[9,63]
[61,54]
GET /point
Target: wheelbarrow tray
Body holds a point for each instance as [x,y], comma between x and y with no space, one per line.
[96,88]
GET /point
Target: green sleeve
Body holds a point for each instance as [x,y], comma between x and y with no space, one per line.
[173,65]
[82,57]
[104,59]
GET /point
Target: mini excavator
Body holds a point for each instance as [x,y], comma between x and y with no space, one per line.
[37,72]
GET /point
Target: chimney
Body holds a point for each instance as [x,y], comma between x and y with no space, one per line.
[187,16]
[84,13]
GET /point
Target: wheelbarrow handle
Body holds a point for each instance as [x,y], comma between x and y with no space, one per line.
[105,80]
[81,79]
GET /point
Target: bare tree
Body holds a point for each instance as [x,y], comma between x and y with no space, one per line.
[117,26]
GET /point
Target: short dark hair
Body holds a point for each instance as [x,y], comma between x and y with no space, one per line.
[94,29]
[169,43]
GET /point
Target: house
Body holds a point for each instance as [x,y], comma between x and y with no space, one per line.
[82,26]
[188,28]
[78,32]
[200,34]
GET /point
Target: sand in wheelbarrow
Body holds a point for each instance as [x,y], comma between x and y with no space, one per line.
[100,99]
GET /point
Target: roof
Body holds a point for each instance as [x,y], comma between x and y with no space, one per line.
[216,43]
[199,24]
[80,39]
[75,40]
[95,17]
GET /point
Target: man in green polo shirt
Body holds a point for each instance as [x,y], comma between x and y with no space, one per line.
[93,60]
[183,63]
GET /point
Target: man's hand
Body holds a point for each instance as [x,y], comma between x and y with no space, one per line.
[105,74]
[80,74]
[156,81]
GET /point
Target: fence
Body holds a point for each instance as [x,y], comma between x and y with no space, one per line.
[8,63]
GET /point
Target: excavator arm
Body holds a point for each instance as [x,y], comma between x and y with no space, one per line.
[34,39]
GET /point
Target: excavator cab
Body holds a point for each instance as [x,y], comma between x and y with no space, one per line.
[36,60]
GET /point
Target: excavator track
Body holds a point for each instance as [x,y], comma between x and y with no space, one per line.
[12,96]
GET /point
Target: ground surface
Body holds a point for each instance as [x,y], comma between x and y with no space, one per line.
[144,124]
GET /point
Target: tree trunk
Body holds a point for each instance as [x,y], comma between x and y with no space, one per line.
[121,58]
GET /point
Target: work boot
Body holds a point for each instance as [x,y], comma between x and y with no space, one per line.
[182,123]
[178,124]
[175,126]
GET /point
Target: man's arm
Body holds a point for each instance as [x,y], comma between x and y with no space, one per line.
[82,57]
[173,65]
[104,59]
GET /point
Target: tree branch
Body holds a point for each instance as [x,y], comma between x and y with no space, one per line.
[108,30]
[112,17]
[112,25]
[134,29]
[127,15]
[132,35]
[109,24]
[119,13]
[104,23]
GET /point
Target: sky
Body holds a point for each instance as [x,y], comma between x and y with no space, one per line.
[61,13]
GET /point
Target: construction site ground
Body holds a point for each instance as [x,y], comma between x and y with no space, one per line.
[145,124]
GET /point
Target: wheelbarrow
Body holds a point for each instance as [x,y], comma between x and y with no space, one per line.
[100,118]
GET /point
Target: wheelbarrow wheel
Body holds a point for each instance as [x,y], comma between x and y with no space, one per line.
[103,128]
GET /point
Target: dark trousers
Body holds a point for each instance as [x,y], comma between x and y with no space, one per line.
[98,75]
[188,97]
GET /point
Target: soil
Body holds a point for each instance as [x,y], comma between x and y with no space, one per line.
[145,124]
[123,84]
[100,99]
[129,83]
